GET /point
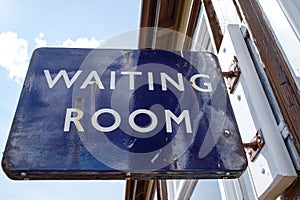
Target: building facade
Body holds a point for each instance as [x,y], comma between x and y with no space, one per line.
[259,39]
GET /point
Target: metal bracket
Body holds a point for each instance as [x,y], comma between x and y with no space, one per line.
[235,73]
[255,145]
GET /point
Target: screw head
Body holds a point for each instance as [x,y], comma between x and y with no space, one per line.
[226,132]
[249,152]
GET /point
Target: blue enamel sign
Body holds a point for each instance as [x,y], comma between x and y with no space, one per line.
[116,114]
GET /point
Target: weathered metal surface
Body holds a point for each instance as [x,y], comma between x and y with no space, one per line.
[115,114]
[255,145]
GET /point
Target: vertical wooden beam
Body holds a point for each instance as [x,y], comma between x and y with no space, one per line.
[192,24]
[214,23]
[148,11]
[276,68]
[279,76]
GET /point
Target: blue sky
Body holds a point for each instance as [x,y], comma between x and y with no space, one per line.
[26,25]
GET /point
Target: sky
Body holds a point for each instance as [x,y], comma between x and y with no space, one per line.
[27,25]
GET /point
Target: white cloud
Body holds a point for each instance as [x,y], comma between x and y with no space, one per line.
[14,55]
[40,42]
[81,43]
[14,51]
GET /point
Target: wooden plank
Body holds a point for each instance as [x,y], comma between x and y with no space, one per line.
[214,23]
[192,24]
[148,10]
[279,75]
[148,13]
[167,13]
[276,68]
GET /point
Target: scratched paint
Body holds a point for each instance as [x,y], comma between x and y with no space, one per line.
[132,114]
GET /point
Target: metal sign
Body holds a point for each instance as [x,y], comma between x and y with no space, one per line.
[116,114]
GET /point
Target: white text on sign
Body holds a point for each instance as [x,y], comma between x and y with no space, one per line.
[94,79]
